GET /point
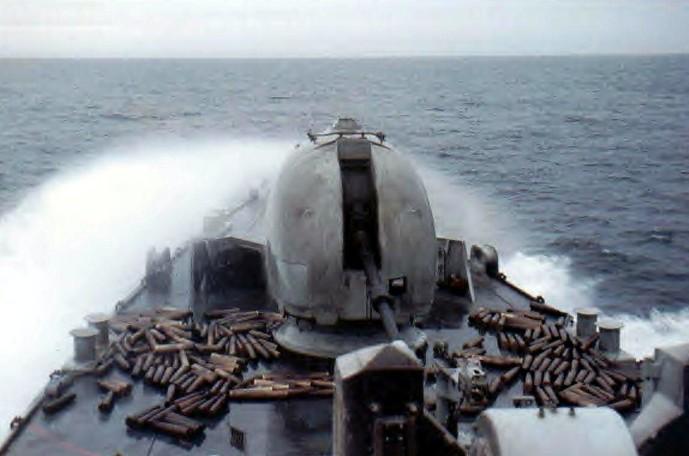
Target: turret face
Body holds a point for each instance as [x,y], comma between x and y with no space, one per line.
[328,193]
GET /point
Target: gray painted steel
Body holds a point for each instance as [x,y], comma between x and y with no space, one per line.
[305,269]
[665,395]
[586,322]
[563,432]
[84,344]
[387,366]
[330,342]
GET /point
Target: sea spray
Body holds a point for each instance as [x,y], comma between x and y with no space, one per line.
[641,336]
[551,277]
[466,213]
[463,212]
[77,244]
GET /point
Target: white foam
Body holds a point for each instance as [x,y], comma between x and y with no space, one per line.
[550,277]
[641,336]
[465,213]
[77,244]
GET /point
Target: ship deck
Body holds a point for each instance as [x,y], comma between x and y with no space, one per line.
[287,427]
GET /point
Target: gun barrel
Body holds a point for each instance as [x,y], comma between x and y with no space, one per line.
[381,300]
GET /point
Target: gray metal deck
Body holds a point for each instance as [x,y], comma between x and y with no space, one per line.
[291,427]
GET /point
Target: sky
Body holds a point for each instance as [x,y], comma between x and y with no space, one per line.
[338,28]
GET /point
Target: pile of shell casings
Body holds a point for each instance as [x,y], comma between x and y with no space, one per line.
[555,366]
[199,365]
[277,386]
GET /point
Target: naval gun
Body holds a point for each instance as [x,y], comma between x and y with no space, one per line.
[350,255]
[351,260]
[342,219]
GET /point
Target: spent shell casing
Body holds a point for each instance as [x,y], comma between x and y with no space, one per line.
[170,393]
[551,395]
[196,384]
[121,362]
[495,386]
[138,366]
[542,396]
[554,364]
[528,335]
[509,376]
[526,363]
[581,375]
[167,374]
[138,420]
[60,402]
[543,367]
[598,381]
[106,404]
[528,383]
[187,382]
[536,333]
[623,405]
[475,342]
[590,342]
[502,341]
[561,368]
[538,378]
[218,404]
[160,370]
[569,379]
[539,359]
[148,362]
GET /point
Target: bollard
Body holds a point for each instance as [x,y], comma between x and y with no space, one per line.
[84,344]
[99,321]
[586,322]
[610,336]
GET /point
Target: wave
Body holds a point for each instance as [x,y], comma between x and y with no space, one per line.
[552,277]
[466,213]
[641,335]
[77,244]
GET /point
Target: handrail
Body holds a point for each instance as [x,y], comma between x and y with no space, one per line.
[378,134]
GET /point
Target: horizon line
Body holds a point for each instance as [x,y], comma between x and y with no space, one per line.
[363,57]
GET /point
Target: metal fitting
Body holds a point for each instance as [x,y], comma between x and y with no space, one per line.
[586,322]
[84,344]
[99,321]
[609,336]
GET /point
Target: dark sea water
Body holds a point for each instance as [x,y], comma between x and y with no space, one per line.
[583,161]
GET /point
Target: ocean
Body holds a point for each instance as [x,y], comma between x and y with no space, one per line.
[575,168]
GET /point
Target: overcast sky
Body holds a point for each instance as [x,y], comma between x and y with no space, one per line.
[339,28]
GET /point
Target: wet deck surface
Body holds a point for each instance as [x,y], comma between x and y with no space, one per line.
[290,427]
